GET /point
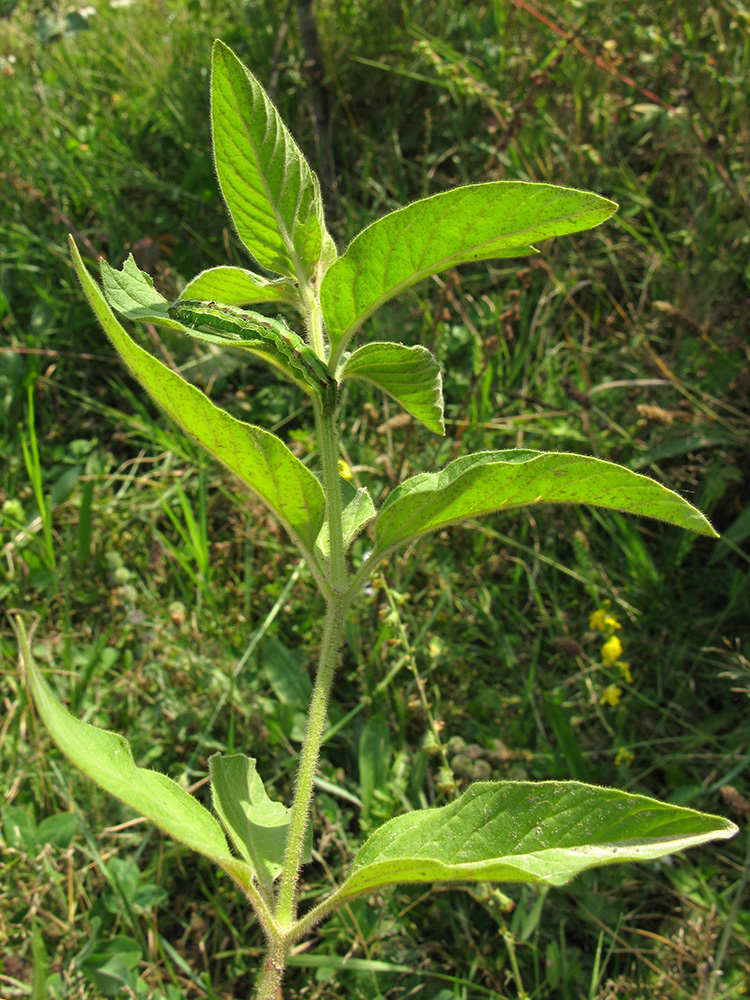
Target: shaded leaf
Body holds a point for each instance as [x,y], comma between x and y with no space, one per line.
[58,830]
[374,760]
[475,222]
[257,457]
[286,673]
[271,193]
[257,826]
[410,375]
[526,831]
[358,512]
[499,480]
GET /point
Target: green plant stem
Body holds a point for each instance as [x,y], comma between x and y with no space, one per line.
[286,905]
[510,947]
[273,970]
[329,460]
[338,601]
[332,633]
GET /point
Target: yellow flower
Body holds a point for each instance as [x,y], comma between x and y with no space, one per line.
[611,695]
[611,650]
[597,619]
[624,756]
[602,621]
[344,471]
[624,669]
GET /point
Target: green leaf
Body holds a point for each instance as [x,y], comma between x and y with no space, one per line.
[499,480]
[526,831]
[410,375]
[235,286]
[19,829]
[286,672]
[256,456]
[357,513]
[475,222]
[257,826]
[131,292]
[271,193]
[565,736]
[107,759]
[58,830]
[374,760]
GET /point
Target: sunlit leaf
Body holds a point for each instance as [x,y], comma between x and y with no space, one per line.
[358,512]
[132,293]
[475,222]
[410,375]
[255,823]
[271,193]
[107,759]
[234,286]
[257,457]
[543,832]
[500,480]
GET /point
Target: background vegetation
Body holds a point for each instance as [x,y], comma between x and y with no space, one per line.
[167,603]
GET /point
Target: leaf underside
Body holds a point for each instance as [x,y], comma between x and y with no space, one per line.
[410,375]
[256,825]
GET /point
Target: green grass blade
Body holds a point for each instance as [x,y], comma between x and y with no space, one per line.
[272,194]
[374,760]
[83,532]
[542,832]
[475,222]
[500,480]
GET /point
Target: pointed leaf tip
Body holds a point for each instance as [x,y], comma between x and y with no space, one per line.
[499,480]
[470,223]
[270,191]
[107,759]
[541,832]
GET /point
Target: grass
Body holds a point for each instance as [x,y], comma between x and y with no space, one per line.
[162,589]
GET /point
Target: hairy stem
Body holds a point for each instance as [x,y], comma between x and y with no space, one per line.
[287,899]
[338,601]
[273,970]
